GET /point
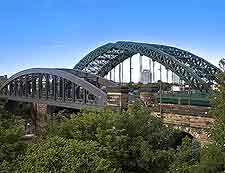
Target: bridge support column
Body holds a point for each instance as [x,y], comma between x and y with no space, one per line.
[41,115]
[117,97]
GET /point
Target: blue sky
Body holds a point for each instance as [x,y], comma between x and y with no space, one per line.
[58,33]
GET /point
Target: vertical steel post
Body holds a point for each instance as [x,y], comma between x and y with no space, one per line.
[160,92]
[120,73]
[73,92]
[172,78]
[130,69]
[40,86]
[140,68]
[153,71]
[15,88]
[54,87]
[26,86]
[150,70]
[85,96]
[64,89]
[190,92]
[33,86]
[110,75]
[114,74]
[47,86]
[167,75]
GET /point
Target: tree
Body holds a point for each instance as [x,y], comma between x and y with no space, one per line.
[136,141]
[186,158]
[60,155]
[11,146]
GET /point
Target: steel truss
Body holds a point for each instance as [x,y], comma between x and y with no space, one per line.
[54,87]
[192,69]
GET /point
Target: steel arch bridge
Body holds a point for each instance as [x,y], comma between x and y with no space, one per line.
[58,87]
[83,86]
[194,70]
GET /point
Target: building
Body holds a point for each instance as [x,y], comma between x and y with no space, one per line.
[146,76]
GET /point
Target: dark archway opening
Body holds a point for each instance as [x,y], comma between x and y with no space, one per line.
[180,136]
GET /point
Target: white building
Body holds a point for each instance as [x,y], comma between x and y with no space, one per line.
[146,76]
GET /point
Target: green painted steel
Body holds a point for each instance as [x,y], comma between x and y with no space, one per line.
[195,99]
[192,69]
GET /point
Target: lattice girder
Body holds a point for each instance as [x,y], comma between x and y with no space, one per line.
[189,67]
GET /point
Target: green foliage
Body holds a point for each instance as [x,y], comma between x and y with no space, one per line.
[212,155]
[57,154]
[186,158]
[11,131]
[218,101]
[136,141]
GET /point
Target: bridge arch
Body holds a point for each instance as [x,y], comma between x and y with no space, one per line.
[199,134]
[189,67]
[53,87]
